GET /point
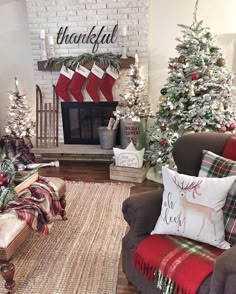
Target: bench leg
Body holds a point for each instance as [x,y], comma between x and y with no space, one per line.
[63,205]
[7,271]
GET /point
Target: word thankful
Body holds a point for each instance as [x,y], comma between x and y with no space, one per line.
[93,38]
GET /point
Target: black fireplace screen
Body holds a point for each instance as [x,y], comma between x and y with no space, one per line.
[81,121]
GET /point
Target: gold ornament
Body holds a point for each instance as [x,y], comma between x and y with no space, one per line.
[220,61]
[209,73]
[188,131]
[181,59]
[162,98]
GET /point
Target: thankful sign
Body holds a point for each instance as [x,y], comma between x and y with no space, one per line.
[94,37]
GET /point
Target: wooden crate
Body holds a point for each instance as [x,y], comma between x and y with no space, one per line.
[128,174]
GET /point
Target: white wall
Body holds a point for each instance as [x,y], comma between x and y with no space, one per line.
[15,55]
[166,14]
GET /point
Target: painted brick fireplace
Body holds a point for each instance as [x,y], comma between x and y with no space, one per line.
[80,16]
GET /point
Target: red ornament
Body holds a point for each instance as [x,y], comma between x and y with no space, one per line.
[163,128]
[231,127]
[2,175]
[223,129]
[6,181]
[172,67]
[195,76]
[163,142]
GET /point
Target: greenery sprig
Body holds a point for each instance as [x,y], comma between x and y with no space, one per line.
[104,59]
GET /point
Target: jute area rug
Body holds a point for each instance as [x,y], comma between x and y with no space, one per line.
[80,255]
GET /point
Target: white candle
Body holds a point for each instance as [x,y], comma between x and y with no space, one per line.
[42,34]
[50,40]
[124,31]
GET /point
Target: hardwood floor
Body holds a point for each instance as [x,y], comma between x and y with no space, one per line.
[96,172]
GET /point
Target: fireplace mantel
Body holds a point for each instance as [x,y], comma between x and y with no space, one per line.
[125,64]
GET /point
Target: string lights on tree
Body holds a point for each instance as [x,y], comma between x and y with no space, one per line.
[134,103]
[198,94]
[19,123]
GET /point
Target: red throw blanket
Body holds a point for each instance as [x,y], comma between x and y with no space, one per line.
[229,151]
[175,264]
[37,205]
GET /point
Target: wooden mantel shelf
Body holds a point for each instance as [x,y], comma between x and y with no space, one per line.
[125,63]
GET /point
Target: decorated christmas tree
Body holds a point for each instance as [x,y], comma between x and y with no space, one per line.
[198,94]
[134,103]
[19,123]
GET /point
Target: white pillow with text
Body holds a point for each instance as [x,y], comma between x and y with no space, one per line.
[192,207]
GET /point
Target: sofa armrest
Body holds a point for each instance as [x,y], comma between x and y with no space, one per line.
[224,275]
[142,211]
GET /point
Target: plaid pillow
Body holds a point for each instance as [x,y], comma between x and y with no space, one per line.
[216,166]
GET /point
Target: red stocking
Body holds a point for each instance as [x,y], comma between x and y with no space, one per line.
[64,79]
[107,83]
[75,87]
[94,81]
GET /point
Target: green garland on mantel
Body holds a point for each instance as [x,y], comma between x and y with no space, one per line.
[104,59]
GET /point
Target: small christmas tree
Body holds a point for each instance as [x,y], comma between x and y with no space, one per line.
[19,123]
[134,103]
[198,94]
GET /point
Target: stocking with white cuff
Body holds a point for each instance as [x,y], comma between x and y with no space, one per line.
[63,82]
[107,83]
[78,80]
[94,81]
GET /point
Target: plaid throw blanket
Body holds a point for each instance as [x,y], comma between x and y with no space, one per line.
[18,146]
[37,205]
[175,264]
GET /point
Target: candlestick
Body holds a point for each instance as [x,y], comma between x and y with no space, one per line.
[51,51]
[124,49]
[124,42]
[43,50]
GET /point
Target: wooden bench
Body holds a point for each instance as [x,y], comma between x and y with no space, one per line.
[13,232]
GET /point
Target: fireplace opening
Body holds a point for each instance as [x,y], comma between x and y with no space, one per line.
[81,121]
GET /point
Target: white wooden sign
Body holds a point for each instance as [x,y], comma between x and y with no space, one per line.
[129,157]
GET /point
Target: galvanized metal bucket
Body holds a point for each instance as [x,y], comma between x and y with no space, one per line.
[107,138]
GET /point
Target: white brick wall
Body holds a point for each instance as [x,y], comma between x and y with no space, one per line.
[80,16]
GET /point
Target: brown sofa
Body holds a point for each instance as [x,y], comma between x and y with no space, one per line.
[142,211]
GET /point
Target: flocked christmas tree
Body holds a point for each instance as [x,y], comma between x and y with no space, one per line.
[19,123]
[198,94]
[134,103]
